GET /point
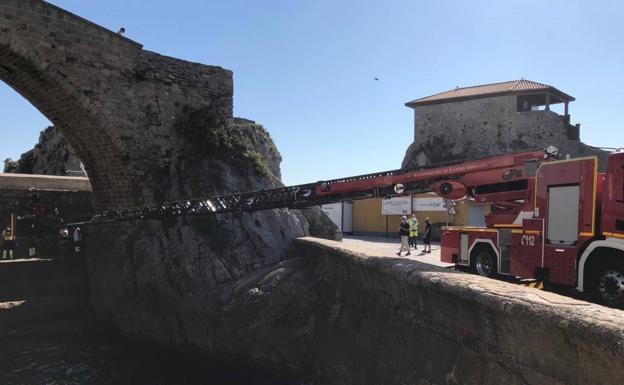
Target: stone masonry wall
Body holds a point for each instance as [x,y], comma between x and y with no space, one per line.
[479,128]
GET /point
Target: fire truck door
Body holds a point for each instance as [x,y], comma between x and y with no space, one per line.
[463,249]
[563,215]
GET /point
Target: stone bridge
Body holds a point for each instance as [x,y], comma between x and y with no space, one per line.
[114,102]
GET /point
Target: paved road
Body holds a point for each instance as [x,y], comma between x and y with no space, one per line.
[388,247]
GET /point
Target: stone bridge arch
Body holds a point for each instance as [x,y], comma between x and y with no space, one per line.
[113,101]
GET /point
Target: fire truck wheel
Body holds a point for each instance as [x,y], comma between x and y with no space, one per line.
[610,284]
[484,262]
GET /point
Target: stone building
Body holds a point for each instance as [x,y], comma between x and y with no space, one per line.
[493,119]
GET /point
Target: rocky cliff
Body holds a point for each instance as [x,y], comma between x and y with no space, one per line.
[169,280]
[52,155]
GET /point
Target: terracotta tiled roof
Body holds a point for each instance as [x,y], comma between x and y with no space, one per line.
[495,89]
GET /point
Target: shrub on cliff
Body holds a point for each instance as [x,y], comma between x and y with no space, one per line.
[210,134]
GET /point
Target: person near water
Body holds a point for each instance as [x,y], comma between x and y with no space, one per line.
[8,243]
[404,230]
[32,242]
[427,235]
[64,244]
[77,240]
[413,224]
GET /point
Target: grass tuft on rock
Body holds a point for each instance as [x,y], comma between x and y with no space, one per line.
[211,135]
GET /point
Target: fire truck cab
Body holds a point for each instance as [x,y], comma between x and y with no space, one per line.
[569,230]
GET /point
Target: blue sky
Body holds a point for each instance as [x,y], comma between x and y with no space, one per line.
[305,68]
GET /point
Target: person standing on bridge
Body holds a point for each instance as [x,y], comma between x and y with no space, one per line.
[427,235]
[404,230]
[413,224]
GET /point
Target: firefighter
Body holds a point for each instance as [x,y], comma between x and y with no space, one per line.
[8,243]
[413,224]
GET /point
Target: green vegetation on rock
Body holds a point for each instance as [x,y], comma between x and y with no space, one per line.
[211,135]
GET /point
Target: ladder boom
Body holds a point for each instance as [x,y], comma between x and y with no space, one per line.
[453,181]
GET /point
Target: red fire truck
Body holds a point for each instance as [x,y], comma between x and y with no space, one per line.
[566,226]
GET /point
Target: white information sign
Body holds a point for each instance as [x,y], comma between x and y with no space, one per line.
[396,206]
[429,204]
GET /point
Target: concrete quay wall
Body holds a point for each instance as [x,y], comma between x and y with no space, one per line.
[394,321]
[26,182]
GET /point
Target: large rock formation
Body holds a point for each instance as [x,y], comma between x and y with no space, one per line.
[170,280]
[52,155]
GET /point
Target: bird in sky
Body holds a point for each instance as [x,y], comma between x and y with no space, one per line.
[375,79]
[121,31]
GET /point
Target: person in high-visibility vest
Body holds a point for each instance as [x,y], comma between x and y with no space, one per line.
[413,224]
[8,243]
